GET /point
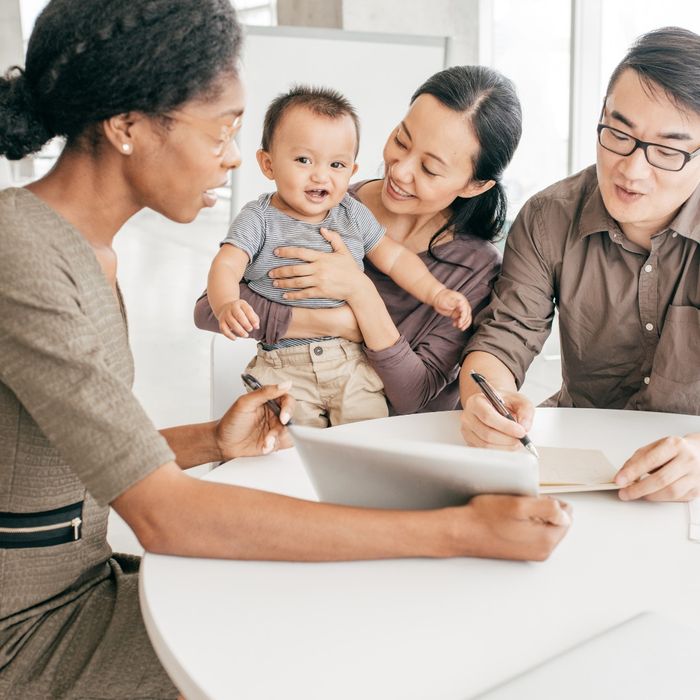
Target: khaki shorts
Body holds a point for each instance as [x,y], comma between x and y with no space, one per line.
[332,381]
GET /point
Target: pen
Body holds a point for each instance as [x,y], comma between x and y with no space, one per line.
[497,402]
[250,381]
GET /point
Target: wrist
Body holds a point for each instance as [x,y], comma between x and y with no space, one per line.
[435,293]
[194,444]
[363,293]
[220,307]
[211,444]
[345,324]
[452,534]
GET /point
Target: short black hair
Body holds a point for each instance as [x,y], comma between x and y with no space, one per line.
[88,60]
[670,58]
[325,102]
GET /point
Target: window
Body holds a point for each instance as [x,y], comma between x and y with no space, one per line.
[256,12]
[622,23]
[531,45]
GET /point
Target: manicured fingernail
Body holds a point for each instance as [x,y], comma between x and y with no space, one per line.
[621,480]
[284,417]
[285,386]
[269,444]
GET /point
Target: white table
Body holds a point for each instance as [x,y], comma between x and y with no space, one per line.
[422,628]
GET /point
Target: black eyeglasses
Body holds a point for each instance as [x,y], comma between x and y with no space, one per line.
[659,156]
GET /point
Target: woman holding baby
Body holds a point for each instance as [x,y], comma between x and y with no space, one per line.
[441,197]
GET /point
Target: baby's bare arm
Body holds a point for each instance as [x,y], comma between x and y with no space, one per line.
[224,276]
[406,269]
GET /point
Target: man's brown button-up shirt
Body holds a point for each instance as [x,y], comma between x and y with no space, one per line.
[629,318]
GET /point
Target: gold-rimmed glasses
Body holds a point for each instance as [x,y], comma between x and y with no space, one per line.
[223,137]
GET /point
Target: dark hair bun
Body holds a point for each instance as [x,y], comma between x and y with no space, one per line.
[21,130]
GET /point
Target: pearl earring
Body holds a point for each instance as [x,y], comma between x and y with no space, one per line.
[126,147]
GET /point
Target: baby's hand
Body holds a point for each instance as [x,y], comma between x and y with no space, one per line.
[450,303]
[237,319]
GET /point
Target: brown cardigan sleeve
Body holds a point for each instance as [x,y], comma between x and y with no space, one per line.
[420,370]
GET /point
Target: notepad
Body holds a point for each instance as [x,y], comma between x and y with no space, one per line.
[564,469]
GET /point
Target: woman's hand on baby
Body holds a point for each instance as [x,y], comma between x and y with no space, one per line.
[333,275]
[237,319]
[450,303]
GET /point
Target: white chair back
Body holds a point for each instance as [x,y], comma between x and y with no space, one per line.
[228,359]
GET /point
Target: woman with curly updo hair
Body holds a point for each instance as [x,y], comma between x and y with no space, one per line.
[147,96]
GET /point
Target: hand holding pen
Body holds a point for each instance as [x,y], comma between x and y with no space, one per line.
[497,402]
[273,404]
[255,424]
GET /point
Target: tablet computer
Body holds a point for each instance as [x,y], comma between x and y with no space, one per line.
[364,470]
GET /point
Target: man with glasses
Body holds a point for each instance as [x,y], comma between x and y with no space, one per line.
[616,249]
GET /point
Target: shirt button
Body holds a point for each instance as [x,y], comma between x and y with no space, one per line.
[646,380]
[648,268]
[674,234]
[649,326]
[318,351]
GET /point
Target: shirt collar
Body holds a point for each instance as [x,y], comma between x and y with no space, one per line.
[596,219]
[594,216]
[687,220]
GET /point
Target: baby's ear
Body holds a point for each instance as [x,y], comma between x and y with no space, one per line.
[354,168]
[265,163]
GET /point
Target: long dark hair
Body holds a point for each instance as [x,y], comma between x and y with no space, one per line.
[90,60]
[490,102]
[668,57]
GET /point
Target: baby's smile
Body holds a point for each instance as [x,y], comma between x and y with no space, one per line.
[317,195]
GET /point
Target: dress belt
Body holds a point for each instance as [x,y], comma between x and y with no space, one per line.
[44,529]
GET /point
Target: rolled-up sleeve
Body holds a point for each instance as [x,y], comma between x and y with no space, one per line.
[516,323]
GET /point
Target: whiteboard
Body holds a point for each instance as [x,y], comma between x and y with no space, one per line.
[378,73]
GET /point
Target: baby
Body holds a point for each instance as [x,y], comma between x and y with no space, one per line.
[309,146]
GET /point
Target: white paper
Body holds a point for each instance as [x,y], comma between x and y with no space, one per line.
[565,469]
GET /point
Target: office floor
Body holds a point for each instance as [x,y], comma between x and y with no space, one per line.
[162,269]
